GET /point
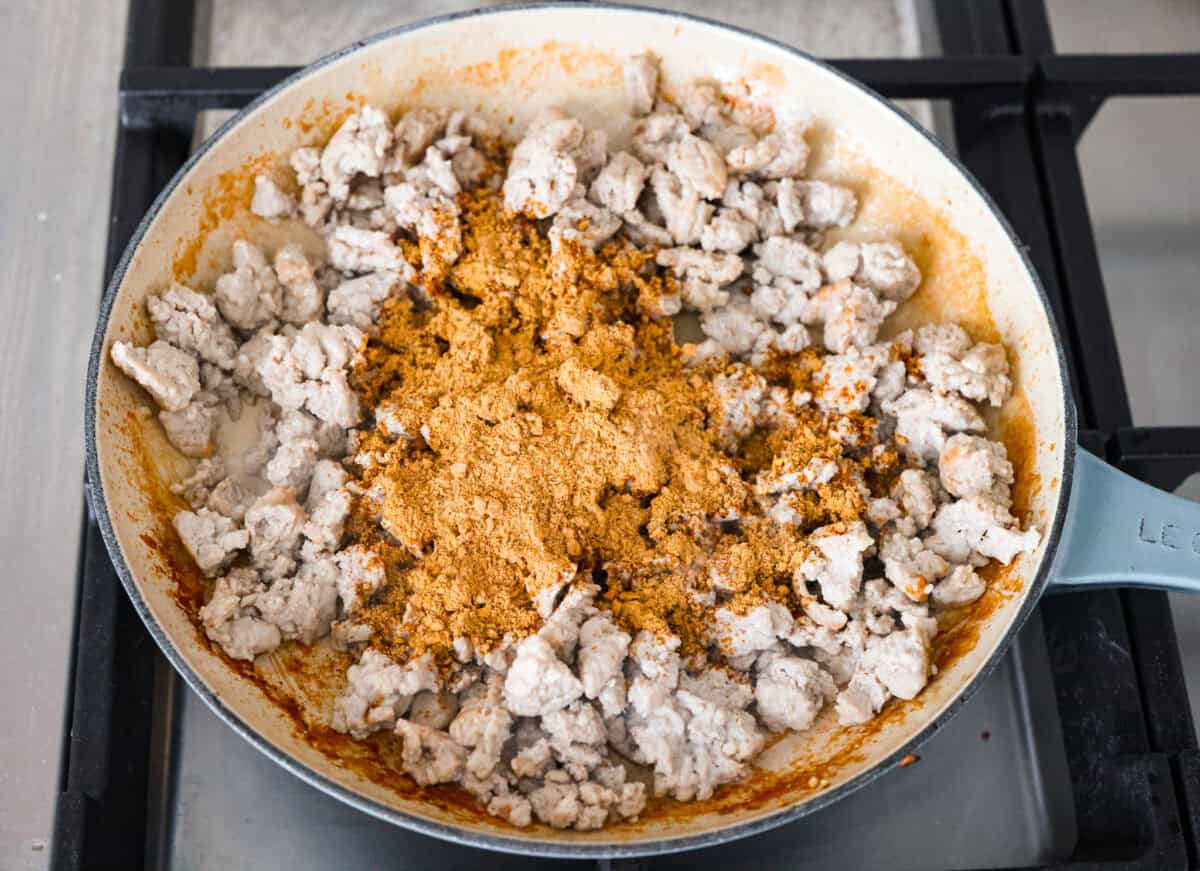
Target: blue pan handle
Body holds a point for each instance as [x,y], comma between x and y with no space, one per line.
[1121,532]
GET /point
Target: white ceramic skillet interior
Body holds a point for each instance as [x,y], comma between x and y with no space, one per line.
[507,64]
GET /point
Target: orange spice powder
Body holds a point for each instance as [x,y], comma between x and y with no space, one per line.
[557,435]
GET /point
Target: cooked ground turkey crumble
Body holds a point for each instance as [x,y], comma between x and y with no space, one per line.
[558,540]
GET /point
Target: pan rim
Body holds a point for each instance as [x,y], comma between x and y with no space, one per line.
[535,846]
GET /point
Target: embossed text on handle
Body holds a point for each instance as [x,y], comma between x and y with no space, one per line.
[1168,535]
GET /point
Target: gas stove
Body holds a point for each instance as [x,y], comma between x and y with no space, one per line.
[1078,753]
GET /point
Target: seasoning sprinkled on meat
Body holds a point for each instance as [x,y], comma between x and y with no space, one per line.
[553,538]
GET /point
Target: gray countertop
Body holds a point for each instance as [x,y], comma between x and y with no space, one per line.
[58,98]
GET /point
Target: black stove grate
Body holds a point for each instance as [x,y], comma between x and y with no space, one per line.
[1019,110]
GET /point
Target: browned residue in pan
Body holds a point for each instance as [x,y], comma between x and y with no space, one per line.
[188,584]
[230,192]
[768,74]
[551,58]
[522,68]
[954,288]
[318,122]
[227,195]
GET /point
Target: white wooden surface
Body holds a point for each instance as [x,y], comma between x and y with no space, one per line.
[58,72]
